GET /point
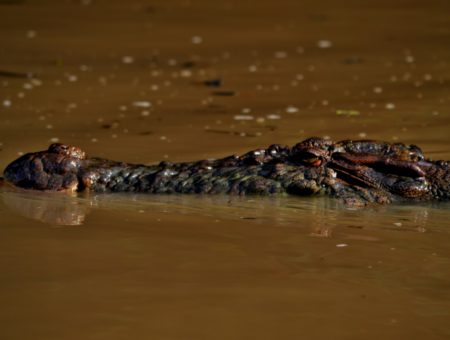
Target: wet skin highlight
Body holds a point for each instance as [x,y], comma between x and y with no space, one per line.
[357,171]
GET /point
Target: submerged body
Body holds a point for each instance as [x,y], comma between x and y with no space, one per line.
[356,171]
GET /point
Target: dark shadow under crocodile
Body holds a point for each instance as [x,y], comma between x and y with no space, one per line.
[359,172]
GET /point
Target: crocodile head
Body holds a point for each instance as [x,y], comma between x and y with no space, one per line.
[54,169]
[372,171]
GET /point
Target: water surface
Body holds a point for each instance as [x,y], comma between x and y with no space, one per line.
[126,80]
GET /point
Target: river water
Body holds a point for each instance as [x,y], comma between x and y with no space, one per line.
[144,81]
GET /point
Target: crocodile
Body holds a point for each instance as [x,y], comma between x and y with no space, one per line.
[357,171]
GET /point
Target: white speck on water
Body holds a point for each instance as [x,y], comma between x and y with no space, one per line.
[113,135]
[398,224]
[435,113]
[94,140]
[324,43]
[20,153]
[325,102]
[427,77]
[102,80]
[27,86]
[299,76]
[49,126]
[362,135]
[154,87]
[280,54]
[139,103]
[72,78]
[273,116]
[54,140]
[123,108]
[409,59]
[377,89]
[31,34]
[300,50]
[20,95]
[291,109]
[260,120]
[36,82]
[84,68]
[163,138]
[186,73]
[72,106]
[127,59]
[243,117]
[145,113]
[196,39]
[253,68]
[390,106]
[172,62]
[246,110]
[341,245]
[7,103]
[393,79]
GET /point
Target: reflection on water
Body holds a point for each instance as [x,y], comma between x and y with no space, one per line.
[320,214]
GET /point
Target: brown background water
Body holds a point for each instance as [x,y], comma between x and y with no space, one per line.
[171,267]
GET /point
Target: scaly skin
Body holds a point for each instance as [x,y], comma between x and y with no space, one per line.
[359,172]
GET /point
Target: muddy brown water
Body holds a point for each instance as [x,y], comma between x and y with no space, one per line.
[126,80]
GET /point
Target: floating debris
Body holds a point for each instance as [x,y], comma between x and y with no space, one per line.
[390,106]
[291,109]
[347,112]
[188,64]
[141,103]
[341,245]
[7,103]
[324,44]
[11,74]
[224,93]
[213,82]
[273,117]
[243,117]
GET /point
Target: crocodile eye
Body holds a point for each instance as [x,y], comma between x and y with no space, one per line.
[310,159]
